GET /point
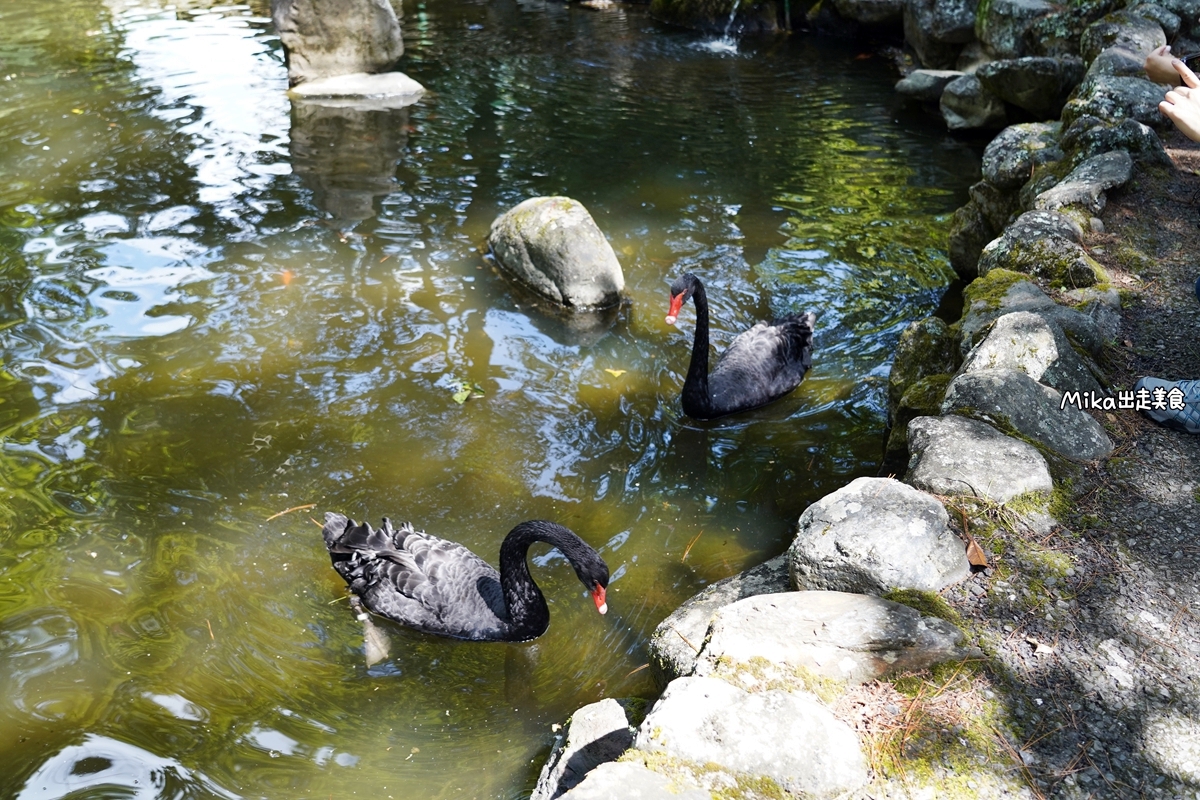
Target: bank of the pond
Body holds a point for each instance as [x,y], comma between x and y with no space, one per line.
[1069,663]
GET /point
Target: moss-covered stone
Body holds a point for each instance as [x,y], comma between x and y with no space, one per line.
[922,399]
[927,347]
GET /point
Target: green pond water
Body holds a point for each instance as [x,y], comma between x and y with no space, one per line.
[216,308]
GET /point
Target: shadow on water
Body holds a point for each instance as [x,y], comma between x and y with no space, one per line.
[224,314]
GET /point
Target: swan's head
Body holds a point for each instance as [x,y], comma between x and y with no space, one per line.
[681,291]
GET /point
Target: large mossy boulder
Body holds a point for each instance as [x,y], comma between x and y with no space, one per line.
[1058,33]
[1036,345]
[1114,98]
[553,245]
[1009,158]
[937,29]
[1002,292]
[1045,245]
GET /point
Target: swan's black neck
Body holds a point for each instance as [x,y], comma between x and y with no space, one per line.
[697,401]
[527,610]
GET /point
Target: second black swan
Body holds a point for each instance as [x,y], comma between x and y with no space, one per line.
[441,587]
[760,366]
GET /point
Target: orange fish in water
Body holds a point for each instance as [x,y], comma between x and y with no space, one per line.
[286,277]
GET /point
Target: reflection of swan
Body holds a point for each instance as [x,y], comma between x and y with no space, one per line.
[443,588]
[761,365]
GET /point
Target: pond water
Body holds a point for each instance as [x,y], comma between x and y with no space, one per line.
[217,308]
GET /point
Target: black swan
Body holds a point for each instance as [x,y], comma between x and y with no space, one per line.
[760,366]
[441,587]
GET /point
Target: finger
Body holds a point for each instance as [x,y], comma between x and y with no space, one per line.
[1189,77]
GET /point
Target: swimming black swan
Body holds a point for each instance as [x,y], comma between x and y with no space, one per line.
[761,365]
[443,588]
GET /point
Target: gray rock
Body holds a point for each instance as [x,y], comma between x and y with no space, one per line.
[1114,98]
[871,12]
[1188,12]
[1021,295]
[790,738]
[553,245]
[1119,62]
[927,347]
[1001,24]
[326,38]
[1038,84]
[1168,20]
[1103,306]
[926,85]
[1121,29]
[970,231]
[1009,159]
[874,535]
[997,205]
[679,637]
[954,455]
[1035,345]
[1058,33]
[931,52]
[1044,244]
[847,637]
[596,733]
[965,104]
[633,781]
[973,56]
[1086,184]
[1089,136]
[1011,399]
[953,21]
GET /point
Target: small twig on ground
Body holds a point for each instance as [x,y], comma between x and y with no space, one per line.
[685,639]
[688,549]
[210,632]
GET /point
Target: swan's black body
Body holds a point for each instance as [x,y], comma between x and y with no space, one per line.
[760,366]
[441,587]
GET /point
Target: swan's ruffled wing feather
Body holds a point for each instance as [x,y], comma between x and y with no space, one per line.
[423,581]
[763,364]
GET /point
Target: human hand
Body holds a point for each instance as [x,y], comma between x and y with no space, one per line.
[1159,66]
[1182,104]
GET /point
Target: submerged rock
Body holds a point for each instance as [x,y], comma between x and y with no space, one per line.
[386,90]
[1013,400]
[788,737]
[874,535]
[814,637]
[953,455]
[553,245]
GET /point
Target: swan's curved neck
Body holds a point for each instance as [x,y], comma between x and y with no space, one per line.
[696,399]
[527,610]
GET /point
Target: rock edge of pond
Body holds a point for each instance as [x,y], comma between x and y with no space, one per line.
[771,677]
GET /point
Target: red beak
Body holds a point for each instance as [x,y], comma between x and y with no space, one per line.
[676,304]
[598,597]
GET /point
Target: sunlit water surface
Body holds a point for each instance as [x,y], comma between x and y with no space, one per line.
[217,307]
